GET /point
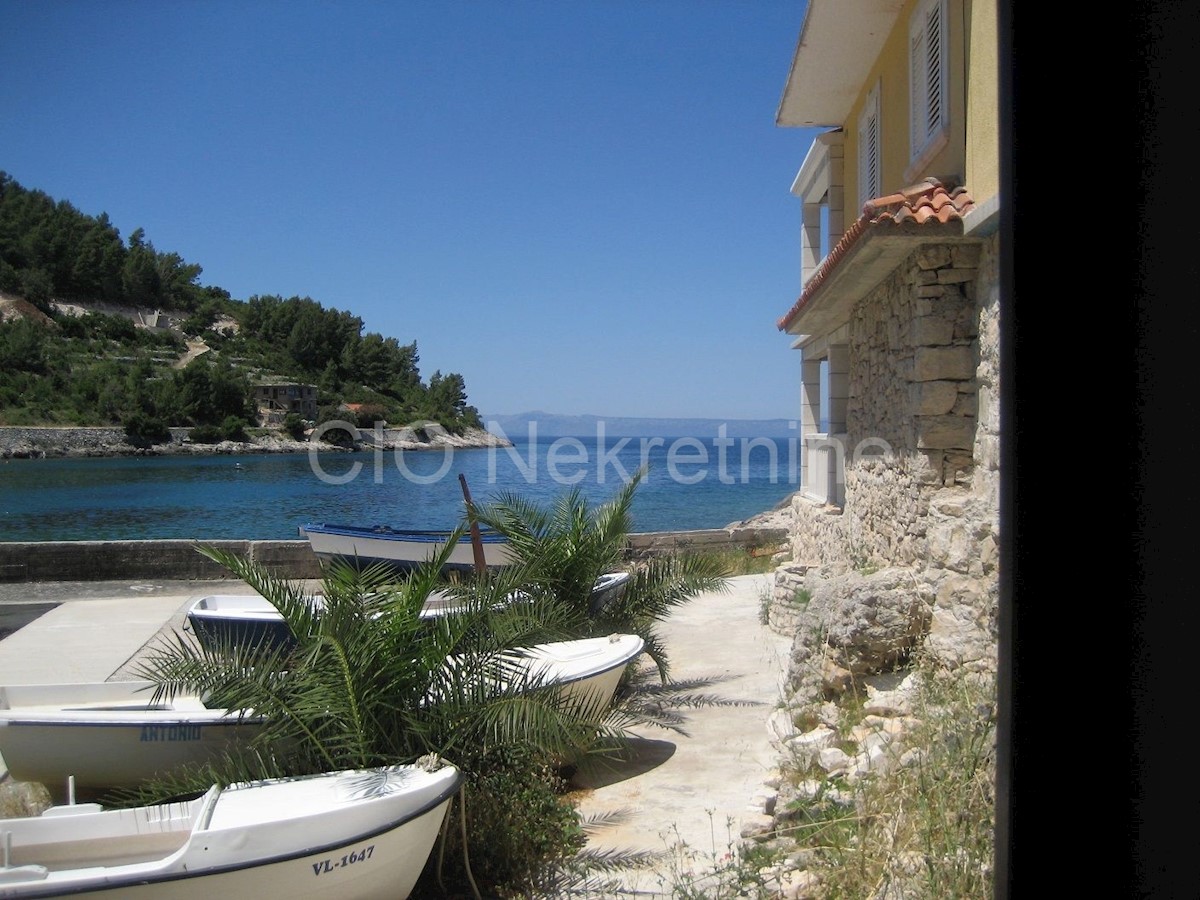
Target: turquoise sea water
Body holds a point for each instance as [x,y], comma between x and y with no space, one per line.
[692,483]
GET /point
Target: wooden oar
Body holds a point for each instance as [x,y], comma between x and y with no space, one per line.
[476,537]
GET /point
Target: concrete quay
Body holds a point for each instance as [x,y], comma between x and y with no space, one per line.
[94,630]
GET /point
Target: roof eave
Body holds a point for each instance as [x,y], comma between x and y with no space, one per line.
[839,42]
[866,263]
[889,228]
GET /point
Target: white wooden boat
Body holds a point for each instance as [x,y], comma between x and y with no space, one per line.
[402,549]
[252,619]
[606,590]
[220,619]
[105,735]
[586,671]
[108,734]
[336,836]
[249,619]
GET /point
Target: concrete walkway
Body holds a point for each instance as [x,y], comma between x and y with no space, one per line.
[684,795]
[97,629]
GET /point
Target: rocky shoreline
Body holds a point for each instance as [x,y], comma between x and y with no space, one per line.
[47,442]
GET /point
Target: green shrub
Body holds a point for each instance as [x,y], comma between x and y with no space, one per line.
[234,429]
[23,346]
[339,437]
[368,414]
[10,279]
[569,543]
[355,690]
[112,327]
[206,434]
[143,430]
[294,427]
[519,829]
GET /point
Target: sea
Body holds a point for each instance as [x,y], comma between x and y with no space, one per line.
[689,483]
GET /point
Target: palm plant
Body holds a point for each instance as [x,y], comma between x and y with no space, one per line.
[568,545]
[369,682]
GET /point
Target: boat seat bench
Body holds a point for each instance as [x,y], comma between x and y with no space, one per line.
[102,851]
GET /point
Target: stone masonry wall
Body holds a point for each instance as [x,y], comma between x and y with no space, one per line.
[924,362]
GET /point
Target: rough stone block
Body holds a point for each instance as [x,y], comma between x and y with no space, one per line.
[834,760]
[945,433]
[934,256]
[933,331]
[936,398]
[955,276]
[966,404]
[805,748]
[779,727]
[955,363]
[799,884]
[966,256]
[757,828]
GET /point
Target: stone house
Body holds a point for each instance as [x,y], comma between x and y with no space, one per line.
[274,400]
[897,320]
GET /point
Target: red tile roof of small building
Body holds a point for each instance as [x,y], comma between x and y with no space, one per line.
[922,205]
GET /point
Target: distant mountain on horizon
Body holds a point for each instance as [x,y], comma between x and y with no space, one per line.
[553,425]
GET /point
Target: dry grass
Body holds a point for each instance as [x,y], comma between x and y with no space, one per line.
[926,827]
[923,828]
[747,561]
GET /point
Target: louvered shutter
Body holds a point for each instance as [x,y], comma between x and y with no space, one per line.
[868,149]
[927,58]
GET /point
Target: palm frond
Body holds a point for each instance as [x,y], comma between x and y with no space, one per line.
[589,872]
[613,860]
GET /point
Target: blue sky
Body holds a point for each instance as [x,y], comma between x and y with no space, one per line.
[581,207]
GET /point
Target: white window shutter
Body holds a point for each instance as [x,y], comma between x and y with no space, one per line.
[917,91]
[868,149]
[928,65]
[936,72]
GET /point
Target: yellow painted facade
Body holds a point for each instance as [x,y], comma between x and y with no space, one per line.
[983,101]
[970,155]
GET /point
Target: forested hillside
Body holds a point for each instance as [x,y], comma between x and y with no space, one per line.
[76,347]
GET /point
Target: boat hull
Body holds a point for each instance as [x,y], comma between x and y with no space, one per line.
[402,550]
[584,672]
[219,620]
[107,735]
[607,590]
[222,620]
[297,843]
[247,620]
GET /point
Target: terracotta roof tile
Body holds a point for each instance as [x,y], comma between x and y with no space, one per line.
[928,203]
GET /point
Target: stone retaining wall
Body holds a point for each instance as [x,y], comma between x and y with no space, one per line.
[654,543]
[170,559]
[179,560]
[40,442]
[36,442]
